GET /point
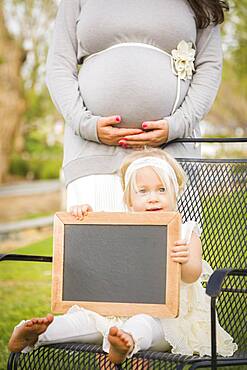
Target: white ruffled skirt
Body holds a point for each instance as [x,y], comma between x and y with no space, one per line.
[190,332]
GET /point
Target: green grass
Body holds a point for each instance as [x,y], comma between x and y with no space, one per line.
[25,286]
[25,292]
[224,230]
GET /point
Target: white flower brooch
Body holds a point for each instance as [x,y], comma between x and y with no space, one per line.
[183,60]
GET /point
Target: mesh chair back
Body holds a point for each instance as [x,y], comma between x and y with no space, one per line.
[216,199]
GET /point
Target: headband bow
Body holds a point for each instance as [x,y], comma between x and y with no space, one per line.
[152,162]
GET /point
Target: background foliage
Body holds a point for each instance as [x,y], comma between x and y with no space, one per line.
[34,147]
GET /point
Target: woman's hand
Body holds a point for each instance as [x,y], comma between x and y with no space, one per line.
[156,134]
[110,135]
[180,252]
[80,211]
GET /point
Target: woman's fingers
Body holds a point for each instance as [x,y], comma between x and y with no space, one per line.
[107,121]
[142,136]
[155,134]
[136,141]
[110,135]
[153,125]
[120,131]
[152,138]
[134,145]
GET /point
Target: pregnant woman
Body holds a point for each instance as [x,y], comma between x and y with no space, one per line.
[125,74]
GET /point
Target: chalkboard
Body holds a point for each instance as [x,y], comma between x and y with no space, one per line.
[116,263]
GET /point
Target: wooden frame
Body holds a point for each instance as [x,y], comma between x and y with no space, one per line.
[173,273]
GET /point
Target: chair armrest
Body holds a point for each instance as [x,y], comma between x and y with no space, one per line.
[216,280]
[213,289]
[24,257]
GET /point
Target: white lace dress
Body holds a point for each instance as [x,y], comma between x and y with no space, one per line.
[190,332]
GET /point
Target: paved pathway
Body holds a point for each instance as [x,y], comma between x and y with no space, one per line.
[25,189]
[30,187]
[10,227]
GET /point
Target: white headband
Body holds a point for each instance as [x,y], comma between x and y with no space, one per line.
[153,162]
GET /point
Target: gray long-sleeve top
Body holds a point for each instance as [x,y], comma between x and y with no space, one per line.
[131,80]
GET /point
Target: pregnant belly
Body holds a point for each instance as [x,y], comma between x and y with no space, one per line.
[134,82]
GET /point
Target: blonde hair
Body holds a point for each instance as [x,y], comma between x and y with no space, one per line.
[158,153]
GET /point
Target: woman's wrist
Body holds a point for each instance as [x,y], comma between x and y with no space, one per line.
[174,130]
[88,128]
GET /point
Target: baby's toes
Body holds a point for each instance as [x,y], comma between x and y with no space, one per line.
[127,341]
[113,331]
[29,323]
[50,317]
[41,321]
[34,320]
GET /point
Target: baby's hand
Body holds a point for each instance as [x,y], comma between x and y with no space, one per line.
[180,252]
[80,211]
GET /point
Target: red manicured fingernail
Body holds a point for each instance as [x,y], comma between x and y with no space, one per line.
[144,125]
[121,142]
[118,119]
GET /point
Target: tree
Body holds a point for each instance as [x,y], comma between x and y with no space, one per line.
[23,49]
[12,103]
[230,108]
[239,50]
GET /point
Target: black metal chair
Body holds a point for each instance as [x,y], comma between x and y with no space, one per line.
[217,194]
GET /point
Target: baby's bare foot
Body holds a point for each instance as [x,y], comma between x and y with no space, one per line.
[121,344]
[27,334]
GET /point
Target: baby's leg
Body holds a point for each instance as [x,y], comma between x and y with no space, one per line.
[74,326]
[140,332]
[146,331]
[28,333]
[121,344]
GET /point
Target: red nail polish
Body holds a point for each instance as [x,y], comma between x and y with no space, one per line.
[144,125]
[118,119]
